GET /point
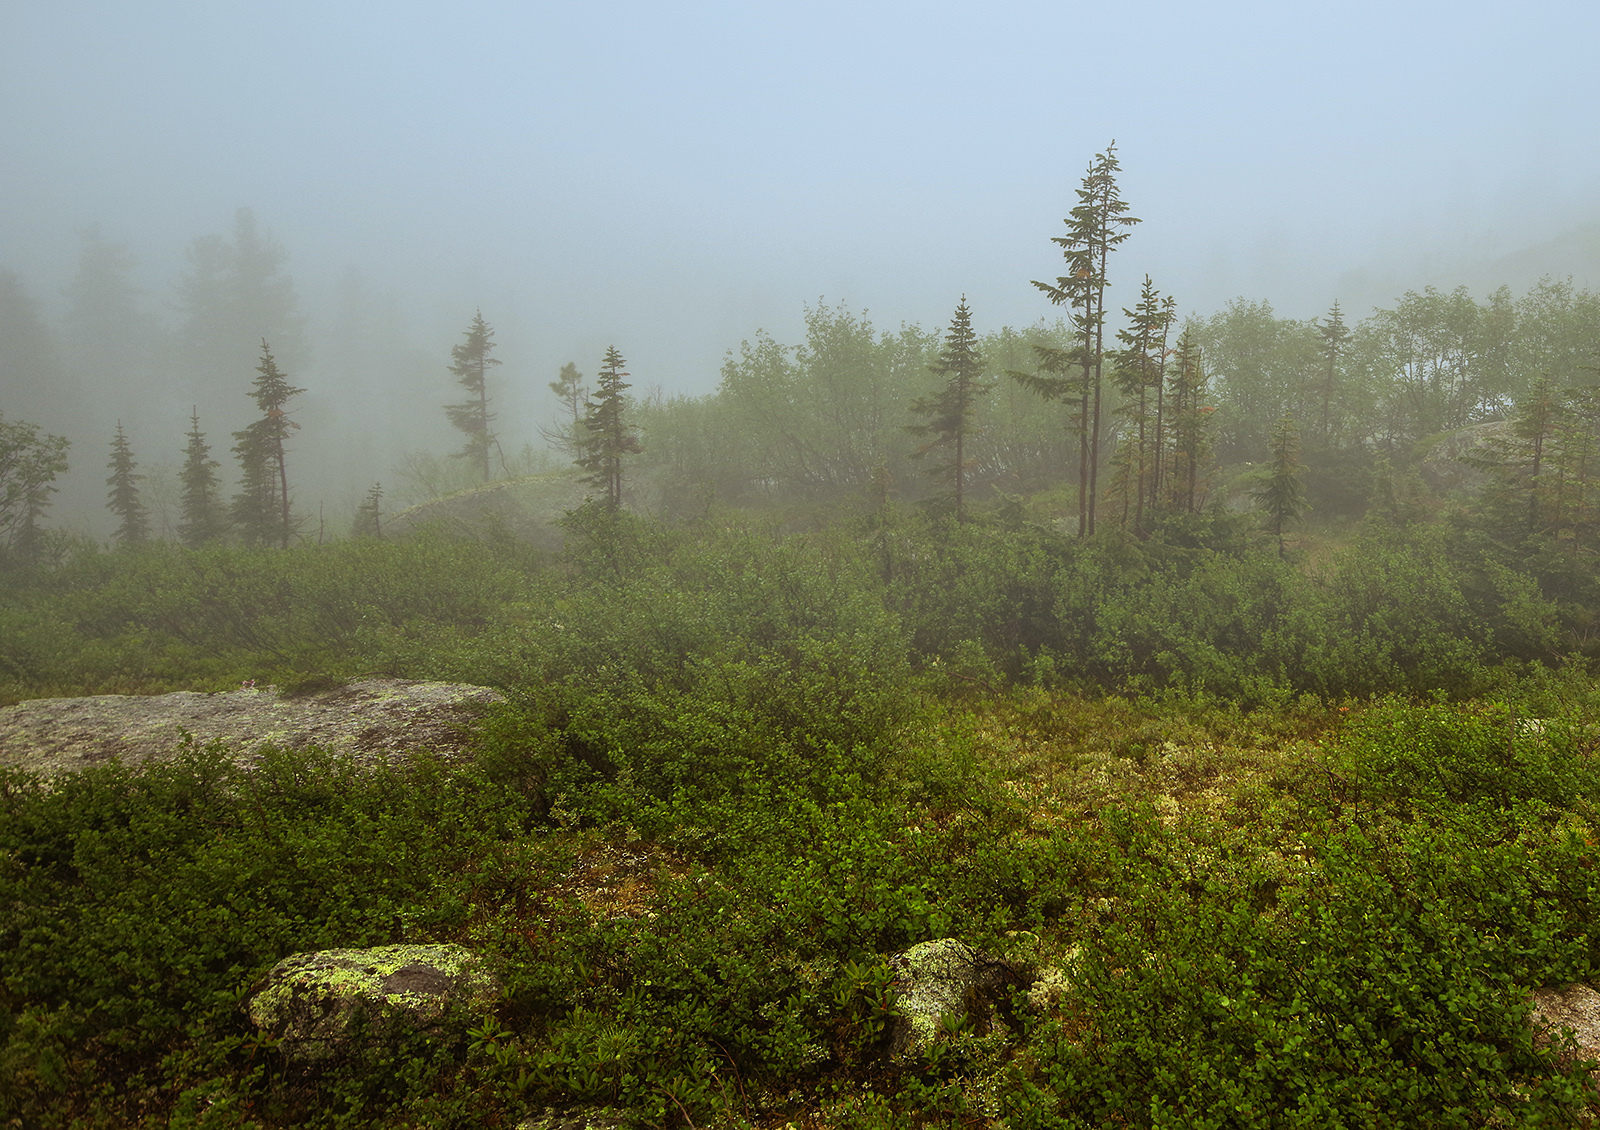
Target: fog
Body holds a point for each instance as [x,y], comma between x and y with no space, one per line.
[672,178]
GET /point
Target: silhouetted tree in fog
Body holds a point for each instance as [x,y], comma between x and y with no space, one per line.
[950,410]
[233,296]
[123,500]
[605,436]
[471,365]
[1093,232]
[261,508]
[203,517]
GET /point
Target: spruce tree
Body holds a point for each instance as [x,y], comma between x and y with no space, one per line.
[1335,337]
[1279,493]
[950,410]
[605,437]
[123,499]
[369,517]
[470,367]
[261,507]
[1092,234]
[203,516]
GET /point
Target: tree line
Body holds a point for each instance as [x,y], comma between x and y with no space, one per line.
[1155,415]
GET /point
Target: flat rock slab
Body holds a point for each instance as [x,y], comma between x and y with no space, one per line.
[372,721]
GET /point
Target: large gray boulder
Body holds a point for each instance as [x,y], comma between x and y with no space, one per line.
[370,720]
[318,1004]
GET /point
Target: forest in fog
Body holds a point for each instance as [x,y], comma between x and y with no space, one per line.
[827,417]
[1221,684]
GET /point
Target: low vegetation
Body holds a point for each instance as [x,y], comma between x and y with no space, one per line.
[1297,842]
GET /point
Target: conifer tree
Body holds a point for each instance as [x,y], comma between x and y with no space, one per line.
[261,507]
[1280,494]
[470,366]
[1335,337]
[203,516]
[1092,234]
[605,437]
[950,410]
[1190,426]
[123,499]
[1140,375]
[369,517]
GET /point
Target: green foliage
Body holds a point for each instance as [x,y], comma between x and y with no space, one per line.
[140,906]
[29,463]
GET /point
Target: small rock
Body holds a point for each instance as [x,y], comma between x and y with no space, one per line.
[316,1003]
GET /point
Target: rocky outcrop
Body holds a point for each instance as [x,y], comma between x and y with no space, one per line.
[373,720]
[316,1004]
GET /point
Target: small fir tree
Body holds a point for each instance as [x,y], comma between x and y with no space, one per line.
[369,516]
[470,366]
[950,410]
[202,518]
[1280,493]
[123,500]
[1335,338]
[605,437]
[261,507]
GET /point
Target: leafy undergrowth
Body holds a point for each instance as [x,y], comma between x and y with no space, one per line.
[1314,916]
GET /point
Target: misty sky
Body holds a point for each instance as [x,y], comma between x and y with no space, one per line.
[672,177]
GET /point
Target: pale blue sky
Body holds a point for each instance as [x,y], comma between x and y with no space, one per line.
[672,177]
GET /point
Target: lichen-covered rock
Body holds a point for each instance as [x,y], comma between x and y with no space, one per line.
[315,1004]
[944,981]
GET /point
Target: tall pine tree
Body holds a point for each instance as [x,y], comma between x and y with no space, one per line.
[261,508]
[605,436]
[470,366]
[203,517]
[1093,232]
[950,410]
[123,499]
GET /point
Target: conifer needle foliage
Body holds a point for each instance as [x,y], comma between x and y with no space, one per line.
[261,507]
